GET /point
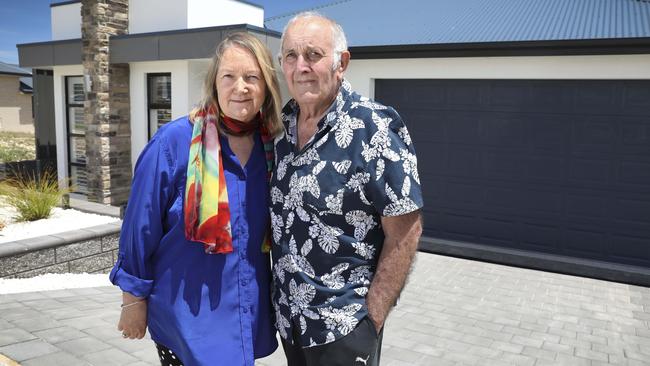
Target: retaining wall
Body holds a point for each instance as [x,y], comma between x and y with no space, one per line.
[88,250]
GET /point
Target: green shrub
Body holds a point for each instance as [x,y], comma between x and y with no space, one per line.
[33,197]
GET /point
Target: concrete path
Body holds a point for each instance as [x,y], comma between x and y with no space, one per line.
[452,312]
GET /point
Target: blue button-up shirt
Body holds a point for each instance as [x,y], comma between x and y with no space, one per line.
[327,201]
[208,309]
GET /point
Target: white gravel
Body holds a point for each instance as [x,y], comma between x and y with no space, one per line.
[51,281]
[60,221]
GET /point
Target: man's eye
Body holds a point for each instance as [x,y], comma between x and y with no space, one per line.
[290,56]
[314,56]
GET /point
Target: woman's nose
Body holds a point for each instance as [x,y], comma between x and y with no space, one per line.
[240,86]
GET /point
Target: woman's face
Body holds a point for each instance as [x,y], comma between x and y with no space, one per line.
[240,84]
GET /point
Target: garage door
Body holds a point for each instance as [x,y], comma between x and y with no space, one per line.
[551,166]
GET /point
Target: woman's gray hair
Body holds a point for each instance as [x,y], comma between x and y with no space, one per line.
[340,43]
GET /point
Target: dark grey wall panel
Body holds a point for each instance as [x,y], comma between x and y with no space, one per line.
[550,166]
[44,126]
[182,44]
[189,45]
[144,48]
[67,53]
[37,55]
[178,44]
[55,53]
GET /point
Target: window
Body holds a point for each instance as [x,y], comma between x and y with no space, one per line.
[159,100]
[74,102]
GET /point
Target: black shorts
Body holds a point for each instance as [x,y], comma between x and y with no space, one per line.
[362,347]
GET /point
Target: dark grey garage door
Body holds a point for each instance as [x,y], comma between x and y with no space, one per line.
[551,166]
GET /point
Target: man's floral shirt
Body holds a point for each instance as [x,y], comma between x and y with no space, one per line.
[326,206]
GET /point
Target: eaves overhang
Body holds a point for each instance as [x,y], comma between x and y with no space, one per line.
[21,74]
[52,53]
[605,46]
[196,43]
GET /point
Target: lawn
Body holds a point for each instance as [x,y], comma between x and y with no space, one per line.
[15,146]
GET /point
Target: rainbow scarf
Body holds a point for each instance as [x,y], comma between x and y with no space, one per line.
[207,215]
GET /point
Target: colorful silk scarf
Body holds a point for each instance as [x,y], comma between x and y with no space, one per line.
[207,215]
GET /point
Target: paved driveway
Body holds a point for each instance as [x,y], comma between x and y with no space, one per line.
[452,312]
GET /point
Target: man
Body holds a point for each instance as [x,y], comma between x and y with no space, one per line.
[345,205]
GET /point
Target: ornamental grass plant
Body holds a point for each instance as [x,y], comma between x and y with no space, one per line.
[33,197]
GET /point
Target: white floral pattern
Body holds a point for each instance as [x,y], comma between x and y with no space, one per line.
[327,200]
[340,319]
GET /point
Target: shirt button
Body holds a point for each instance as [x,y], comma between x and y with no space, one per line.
[244,283]
[244,310]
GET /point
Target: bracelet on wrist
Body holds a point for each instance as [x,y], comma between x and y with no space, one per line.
[131,304]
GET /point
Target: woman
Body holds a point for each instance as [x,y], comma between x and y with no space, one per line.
[193,261]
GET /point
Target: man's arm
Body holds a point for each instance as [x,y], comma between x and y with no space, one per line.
[402,236]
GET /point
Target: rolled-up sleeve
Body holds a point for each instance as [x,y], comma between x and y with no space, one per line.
[142,227]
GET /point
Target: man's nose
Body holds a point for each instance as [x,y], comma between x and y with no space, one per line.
[302,63]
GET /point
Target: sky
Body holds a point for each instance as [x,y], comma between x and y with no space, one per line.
[28,21]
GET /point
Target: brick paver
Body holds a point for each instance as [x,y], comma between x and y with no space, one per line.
[452,312]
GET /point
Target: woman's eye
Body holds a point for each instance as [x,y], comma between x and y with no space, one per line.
[252,77]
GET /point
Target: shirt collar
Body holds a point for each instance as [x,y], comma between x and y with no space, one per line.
[291,109]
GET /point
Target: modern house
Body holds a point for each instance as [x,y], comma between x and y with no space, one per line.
[531,120]
[119,69]
[15,99]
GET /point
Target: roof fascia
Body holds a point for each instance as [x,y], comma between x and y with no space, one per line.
[15,74]
[65,3]
[520,48]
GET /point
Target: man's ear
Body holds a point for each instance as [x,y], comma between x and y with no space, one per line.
[345,61]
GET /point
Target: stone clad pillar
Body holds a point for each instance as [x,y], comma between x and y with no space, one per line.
[107,112]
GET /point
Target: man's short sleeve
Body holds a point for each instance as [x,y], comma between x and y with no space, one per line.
[394,185]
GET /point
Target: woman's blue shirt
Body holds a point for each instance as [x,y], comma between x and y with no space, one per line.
[208,309]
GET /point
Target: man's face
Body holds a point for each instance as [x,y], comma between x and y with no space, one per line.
[307,59]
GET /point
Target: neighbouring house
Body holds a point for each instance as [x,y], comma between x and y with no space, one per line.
[16,114]
[121,68]
[531,120]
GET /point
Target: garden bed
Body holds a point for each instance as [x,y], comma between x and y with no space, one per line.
[60,221]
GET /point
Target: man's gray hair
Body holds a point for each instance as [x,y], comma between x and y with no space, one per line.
[340,43]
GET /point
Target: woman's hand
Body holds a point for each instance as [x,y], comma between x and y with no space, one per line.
[133,320]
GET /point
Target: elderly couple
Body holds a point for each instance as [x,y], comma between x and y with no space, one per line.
[341,217]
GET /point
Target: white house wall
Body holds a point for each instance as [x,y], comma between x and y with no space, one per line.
[157,15]
[187,81]
[362,73]
[66,21]
[209,13]
[197,71]
[59,74]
